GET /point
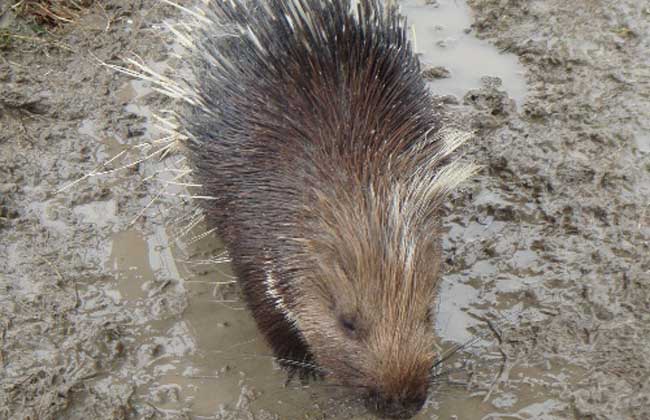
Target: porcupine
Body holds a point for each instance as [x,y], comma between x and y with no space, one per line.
[312,128]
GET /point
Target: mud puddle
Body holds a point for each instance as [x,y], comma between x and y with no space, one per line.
[444,41]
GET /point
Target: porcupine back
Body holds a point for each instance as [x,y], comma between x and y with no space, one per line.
[313,130]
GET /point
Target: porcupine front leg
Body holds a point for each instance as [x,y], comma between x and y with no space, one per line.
[288,346]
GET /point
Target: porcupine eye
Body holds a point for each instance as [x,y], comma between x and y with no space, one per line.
[349,326]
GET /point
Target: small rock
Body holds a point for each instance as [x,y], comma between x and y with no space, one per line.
[491,82]
[437,72]
[449,100]
[8,188]
[7,213]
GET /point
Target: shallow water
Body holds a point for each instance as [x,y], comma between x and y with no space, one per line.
[443,38]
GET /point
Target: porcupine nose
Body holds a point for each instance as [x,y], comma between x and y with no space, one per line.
[390,407]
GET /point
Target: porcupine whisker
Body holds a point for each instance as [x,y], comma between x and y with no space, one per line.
[480,336]
[438,377]
[455,349]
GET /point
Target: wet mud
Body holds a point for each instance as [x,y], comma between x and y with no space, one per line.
[116,303]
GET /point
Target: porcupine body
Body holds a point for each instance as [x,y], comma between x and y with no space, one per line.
[313,130]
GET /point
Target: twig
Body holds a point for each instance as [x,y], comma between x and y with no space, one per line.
[62,279]
[502,369]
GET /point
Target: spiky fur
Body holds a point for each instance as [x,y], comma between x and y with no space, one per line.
[309,124]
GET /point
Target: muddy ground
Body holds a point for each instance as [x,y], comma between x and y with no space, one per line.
[113,305]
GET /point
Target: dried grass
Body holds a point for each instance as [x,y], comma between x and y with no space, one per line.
[51,12]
